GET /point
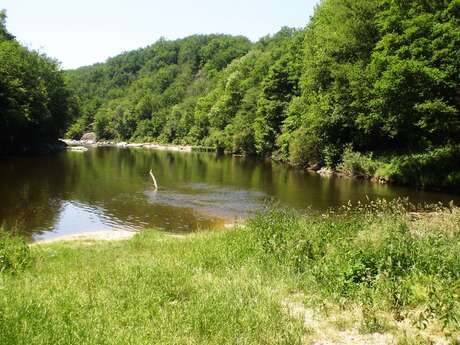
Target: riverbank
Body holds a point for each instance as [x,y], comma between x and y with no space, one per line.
[152,146]
[371,275]
[115,235]
[36,149]
[436,170]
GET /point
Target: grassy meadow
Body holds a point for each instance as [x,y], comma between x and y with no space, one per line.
[374,274]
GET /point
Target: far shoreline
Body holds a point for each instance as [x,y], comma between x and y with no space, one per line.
[154,146]
[323,171]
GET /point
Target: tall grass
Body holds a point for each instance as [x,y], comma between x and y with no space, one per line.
[14,253]
[394,266]
[376,255]
[151,290]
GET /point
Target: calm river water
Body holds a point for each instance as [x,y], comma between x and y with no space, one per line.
[110,189]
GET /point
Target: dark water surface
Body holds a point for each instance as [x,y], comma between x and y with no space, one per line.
[110,189]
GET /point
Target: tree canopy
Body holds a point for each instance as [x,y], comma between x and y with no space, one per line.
[376,80]
[35,104]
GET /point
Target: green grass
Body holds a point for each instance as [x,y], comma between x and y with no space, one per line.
[381,265]
[14,253]
[205,289]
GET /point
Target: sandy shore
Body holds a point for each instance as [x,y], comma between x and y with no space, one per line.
[92,236]
[118,235]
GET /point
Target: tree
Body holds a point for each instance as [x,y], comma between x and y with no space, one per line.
[35,104]
[416,72]
[4,34]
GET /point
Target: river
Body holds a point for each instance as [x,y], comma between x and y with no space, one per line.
[111,189]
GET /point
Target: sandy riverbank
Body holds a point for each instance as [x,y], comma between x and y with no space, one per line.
[92,236]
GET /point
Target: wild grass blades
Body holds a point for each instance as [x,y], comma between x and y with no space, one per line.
[14,253]
[154,289]
[375,255]
[283,279]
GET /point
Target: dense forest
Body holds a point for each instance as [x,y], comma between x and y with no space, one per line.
[368,87]
[35,105]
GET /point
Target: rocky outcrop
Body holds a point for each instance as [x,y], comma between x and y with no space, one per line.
[90,138]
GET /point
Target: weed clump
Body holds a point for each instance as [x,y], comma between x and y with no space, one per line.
[14,253]
[375,255]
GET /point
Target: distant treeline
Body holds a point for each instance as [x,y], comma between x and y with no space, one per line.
[368,87]
[35,105]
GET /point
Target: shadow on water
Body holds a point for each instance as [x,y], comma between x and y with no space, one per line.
[110,189]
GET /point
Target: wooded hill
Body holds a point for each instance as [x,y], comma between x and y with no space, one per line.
[368,87]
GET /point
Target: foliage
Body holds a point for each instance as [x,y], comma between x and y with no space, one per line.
[379,75]
[416,75]
[35,104]
[191,90]
[373,255]
[304,148]
[14,253]
[76,130]
[356,163]
[436,168]
[4,34]
[155,92]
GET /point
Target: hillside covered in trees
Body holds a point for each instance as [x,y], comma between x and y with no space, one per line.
[35,105]
[368,87]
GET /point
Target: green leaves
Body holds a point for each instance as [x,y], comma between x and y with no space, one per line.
[416,74]
[381,76]
[35,105]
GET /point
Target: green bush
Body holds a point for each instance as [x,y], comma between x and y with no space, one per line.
[76,131]
[14,253]
[304,148]
[436,168]
[356,163]
[374,255]
[243,141]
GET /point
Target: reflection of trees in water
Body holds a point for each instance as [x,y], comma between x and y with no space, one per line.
[33,190]
[29,192]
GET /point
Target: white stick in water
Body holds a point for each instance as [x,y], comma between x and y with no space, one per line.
[154,180]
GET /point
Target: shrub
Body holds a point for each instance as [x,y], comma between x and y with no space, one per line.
[219,140]
[331,156]
[437,168]
[243,141]
[75,131]
[374,255]
[356,163]
[304,148]
[14,253]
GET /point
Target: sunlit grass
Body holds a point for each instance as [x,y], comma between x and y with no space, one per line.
[152,290]
[283,279]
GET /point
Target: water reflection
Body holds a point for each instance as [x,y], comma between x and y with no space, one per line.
[91,218]
[210,200]
[107,188]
